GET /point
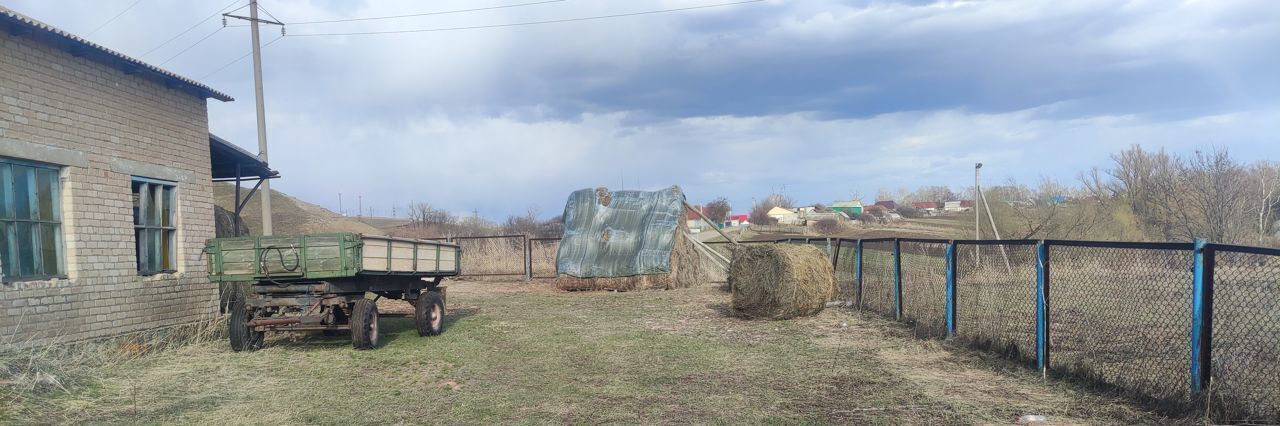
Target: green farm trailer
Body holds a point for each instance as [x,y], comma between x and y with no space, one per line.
[329,283]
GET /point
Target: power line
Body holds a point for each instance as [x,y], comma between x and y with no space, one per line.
[241,58]
[113,18]
[443,12]
[192,27]
[519,24]
[264,10]
[197,43]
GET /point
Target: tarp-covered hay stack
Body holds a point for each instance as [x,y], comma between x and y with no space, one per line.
[626,240]
[780,281]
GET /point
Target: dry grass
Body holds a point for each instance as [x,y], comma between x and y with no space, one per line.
[34,379]
[523,352]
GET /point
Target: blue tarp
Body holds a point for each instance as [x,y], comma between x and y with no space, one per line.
[632,235]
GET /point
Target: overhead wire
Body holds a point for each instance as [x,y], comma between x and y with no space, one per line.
[113,18]
[192,27]
[241,58]
[519,24]
[197,43]
[443,12]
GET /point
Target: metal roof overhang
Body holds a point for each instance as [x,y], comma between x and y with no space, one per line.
[230,162]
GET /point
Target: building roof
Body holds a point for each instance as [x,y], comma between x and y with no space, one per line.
[18,24]
[779,211]
[224,156]
[854,203]
[740,217]
[925,205]
[889,204]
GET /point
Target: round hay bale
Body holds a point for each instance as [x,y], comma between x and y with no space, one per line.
[780,281]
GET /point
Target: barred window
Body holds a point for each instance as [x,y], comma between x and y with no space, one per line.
[155,225]
[30,221]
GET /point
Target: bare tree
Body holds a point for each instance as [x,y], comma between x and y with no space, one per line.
[1267,175]
[760,211]
[717,210]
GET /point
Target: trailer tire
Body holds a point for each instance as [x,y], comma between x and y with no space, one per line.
[364,324]
[428,313]
[243,338]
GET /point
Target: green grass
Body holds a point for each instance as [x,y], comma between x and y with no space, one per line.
[523,353]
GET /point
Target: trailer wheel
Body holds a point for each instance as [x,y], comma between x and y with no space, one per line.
[364,324]
[243,338]
[428,313]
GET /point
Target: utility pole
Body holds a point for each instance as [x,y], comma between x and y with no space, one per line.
[340,212]
[977,213]
[259,103]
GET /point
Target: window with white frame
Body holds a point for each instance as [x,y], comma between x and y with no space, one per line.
[30,221]
[155,225]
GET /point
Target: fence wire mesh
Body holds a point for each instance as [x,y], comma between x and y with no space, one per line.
[542,254]
[1122,316]
[844,265]
[877,277]
[488,256]
[1246,337]
[995,298]
[924,287]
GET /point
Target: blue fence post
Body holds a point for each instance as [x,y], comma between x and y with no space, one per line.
[857,273]
[1042,306]
[951,288]
[897,279]
[1203,264]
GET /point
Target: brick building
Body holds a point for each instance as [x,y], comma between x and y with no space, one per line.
[106,190]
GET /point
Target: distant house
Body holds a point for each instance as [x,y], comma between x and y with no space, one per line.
[928,207]
[737,220]
[849,208]
[784,216]
[694,221]
[888,204]
[958,206]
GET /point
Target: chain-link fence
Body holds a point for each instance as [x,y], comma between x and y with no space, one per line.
[877,290]
[924,287]
[1246,335]
[1122,316]
[996,297]
[494,255]
[1180,324]
[542,257]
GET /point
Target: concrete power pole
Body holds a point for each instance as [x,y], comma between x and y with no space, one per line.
[262,114]
[977,213]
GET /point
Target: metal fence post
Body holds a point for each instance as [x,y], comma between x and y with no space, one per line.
[1203,264]
[1042,306]
[951,288]
[835,254]
[857,273]
[528,258]
[897,279]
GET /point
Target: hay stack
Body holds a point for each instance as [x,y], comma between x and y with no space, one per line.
[780,281]
[686,271]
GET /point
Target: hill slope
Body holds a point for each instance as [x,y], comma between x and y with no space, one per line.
[290,215]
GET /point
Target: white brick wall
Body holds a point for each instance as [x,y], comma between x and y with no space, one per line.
[49,97]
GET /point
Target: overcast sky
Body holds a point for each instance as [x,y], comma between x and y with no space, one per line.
[825,99]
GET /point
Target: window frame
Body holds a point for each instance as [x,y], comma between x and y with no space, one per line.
[35,222]
[159,233]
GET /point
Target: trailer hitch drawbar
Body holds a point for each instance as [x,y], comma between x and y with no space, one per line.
[274,321]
